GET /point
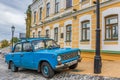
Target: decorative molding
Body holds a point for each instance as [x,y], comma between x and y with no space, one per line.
[83,18]
[68,22]
[110,11]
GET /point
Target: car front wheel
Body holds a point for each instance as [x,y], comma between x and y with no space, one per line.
[46,70]
[13,67]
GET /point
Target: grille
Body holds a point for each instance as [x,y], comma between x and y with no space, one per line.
[69,55]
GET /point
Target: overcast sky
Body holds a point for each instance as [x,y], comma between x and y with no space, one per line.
[12,12]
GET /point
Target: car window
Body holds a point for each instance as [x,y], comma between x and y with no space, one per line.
[18,48]
[27,47]
[38,45]
[51,43]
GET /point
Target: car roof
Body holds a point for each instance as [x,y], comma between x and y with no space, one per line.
[32,39]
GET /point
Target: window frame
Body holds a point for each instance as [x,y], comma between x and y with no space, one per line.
[47,32]
[40,13]
[35,16]
[21,47]
[56,34]
[69,3]
[86,29]
[57,5]
[69,32]
[33,34]
[48,9]
[111,26]
[39,32]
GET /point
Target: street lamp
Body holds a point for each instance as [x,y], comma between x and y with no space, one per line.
[12,29]
[97,58]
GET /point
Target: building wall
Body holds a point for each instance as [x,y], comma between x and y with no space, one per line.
[80,11]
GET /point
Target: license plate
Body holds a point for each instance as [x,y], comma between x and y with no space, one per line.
[71,63]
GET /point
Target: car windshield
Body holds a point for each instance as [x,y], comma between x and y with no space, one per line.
[44,44]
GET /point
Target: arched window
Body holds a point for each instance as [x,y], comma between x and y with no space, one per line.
[85,33]
[57,4]
[40,14]
[34,16]
[48,10]
[111,27]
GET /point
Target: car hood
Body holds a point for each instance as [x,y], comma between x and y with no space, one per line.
[58,51]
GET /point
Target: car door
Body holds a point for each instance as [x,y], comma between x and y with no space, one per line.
[16,54]
[27,56]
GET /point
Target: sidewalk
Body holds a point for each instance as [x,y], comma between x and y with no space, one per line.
[110,65]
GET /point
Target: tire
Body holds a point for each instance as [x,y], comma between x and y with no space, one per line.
[47,70]
[73,66]
[13,67]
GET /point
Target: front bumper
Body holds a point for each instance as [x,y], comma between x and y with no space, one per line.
[65,65]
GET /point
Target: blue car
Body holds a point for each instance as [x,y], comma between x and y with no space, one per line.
[43,55]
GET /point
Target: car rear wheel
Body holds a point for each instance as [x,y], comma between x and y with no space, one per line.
[46,70]
[73,66]
[13,67]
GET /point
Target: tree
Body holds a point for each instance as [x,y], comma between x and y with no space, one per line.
[4,43]
[15,40]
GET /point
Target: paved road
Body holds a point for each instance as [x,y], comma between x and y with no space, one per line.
[6,74]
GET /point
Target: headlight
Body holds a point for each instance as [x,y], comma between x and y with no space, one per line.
[59,58]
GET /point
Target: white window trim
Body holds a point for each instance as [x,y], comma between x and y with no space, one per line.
[81,19]
[69,22]
[56,26]
[110,11]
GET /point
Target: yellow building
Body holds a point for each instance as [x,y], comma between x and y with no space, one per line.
[72,23]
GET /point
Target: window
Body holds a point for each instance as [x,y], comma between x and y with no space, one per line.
[39,33]
[68,3]
[27,47]
[85,31]
[47,33]
[56,34]
[34,16]
[48,10]
[38,45]
[33,35]
[68,33]
[57,6]
[18,48]
[111,27]
[40,14]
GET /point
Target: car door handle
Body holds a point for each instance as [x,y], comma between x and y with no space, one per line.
[21,55]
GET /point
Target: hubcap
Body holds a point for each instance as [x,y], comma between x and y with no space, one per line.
[45,69]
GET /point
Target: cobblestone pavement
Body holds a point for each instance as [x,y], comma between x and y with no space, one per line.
[6,74]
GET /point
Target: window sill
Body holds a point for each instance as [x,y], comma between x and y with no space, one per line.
[67,8]
[84,40]
[111,40]
[56,13]
[68,41]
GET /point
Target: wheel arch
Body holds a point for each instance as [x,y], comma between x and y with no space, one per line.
[40,63]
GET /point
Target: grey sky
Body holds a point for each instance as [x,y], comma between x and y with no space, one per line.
[12,12]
